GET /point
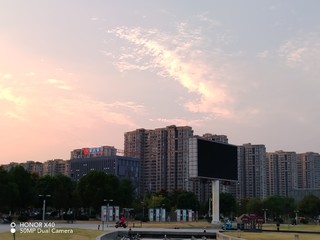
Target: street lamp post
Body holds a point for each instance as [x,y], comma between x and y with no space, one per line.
[142,210]
[161,214]
[265,214]
[296,212]
[44,205]
[103,214]
[210,204]
[142,219]
[108,201]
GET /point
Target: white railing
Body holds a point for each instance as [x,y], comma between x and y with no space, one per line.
[221,236]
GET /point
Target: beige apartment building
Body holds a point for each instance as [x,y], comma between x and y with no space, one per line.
[252,171]
[56,167]
[164,157]
[281,173]
[308,170]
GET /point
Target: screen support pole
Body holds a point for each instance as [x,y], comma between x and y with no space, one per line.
[215,202]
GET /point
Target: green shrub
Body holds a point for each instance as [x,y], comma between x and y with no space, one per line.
[304,221]
[23,217]
[83,217]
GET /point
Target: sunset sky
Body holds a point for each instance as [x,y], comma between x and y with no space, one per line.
[80,73]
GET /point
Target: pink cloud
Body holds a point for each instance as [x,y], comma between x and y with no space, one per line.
[170,61]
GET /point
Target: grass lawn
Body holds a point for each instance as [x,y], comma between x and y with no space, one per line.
[273,236]
[280,235]
[78,234]
[288,227]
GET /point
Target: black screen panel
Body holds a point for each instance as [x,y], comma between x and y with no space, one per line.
[217,160]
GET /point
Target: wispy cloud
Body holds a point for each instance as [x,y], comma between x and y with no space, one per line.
[11,102]
[6,75]
[178,57]
[36,102]
[7,94]
[303,53]
[263,54]
[58,84]
[179,121]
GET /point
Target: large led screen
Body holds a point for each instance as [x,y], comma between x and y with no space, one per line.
[213,160]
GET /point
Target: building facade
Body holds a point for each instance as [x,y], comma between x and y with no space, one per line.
[119,166]
[103,151]
[252,171]
[308,170]
[56,167]
[216,138]
[164,157]
[281,173]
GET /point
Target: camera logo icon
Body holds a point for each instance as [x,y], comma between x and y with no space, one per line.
[13,227]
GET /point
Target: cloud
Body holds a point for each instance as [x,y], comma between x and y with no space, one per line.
[181,58]
[13,115]
[263,54]
[11,103]
[30,74]
[6,76]
[179,121]
[6,93]
[129,105]
[37,102]
[302,53]
[83,111]
[204,17]
[58,84]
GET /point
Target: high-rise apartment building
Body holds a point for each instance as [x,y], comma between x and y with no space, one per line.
[164,156]
[216,138]
[281,173]
[56,167]
[308,170]
[252,174]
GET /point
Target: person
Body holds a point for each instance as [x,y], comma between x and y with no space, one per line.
[122,220]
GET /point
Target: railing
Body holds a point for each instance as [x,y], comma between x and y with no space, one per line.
[221,236]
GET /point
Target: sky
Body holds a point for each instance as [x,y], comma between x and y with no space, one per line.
[81,73]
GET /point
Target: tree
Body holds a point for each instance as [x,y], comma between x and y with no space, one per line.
[3,190]
[187,200]
[228,204]
[46,185]
[96,187]
[254,205]
[278,205]
[154,201]
[126,193]
[24,192]
[62,194]
[242,206]
[309,206]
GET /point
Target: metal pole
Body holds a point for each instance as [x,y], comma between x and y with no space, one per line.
[142,212]
[107,214]
[210,202]
[44,205]
[44,208]
[265,214]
